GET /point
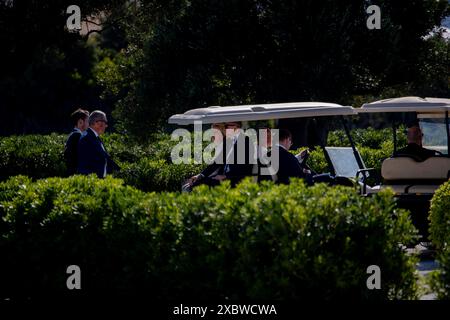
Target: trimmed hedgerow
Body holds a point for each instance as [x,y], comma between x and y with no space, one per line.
[440,217]
[255,241]
[148,165]
[157,175]
[36,156]
[440,236]
[440,279]
[373,158]
[368,137]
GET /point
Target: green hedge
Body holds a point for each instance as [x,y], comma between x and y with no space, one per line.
[373,158]
[374,145]
[440,280]
[440,236]
[148,165]
[37,156]
[145,166]
[367,137]
[440,217]
[157,175]
[255,241]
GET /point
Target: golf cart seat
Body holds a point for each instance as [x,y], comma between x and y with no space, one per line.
[407,176]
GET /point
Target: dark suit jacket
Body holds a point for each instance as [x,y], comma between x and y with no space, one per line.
[288,166]
[417,152]
[237,171]
[215,168]
[262,166]
[92,157]
[70,151]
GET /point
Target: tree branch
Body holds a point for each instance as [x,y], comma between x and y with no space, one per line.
[95,23]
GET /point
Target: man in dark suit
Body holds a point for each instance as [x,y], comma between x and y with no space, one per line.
[232,161]
[289,166]
[238,164]
[414,148]
[92,154]
[80,121]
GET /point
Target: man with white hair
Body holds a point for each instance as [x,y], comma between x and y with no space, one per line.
[92,154]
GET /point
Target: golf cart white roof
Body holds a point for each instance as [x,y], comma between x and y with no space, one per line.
[407,104]
[218,114]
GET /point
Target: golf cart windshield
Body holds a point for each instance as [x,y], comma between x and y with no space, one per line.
[434,134]
[432,114]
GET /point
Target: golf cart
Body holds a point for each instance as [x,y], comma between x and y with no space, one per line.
[414,180]
[344,163]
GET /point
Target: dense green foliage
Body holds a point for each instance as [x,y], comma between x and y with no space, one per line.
[254,241]
[148,165]
[47,72]
[154,58]
[374,145]
[209,52]
[37,156]
[157,175]
[440,281]
[440,235]
[440,217]
[368,137]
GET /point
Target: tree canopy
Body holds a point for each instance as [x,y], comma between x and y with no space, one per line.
[154,58]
